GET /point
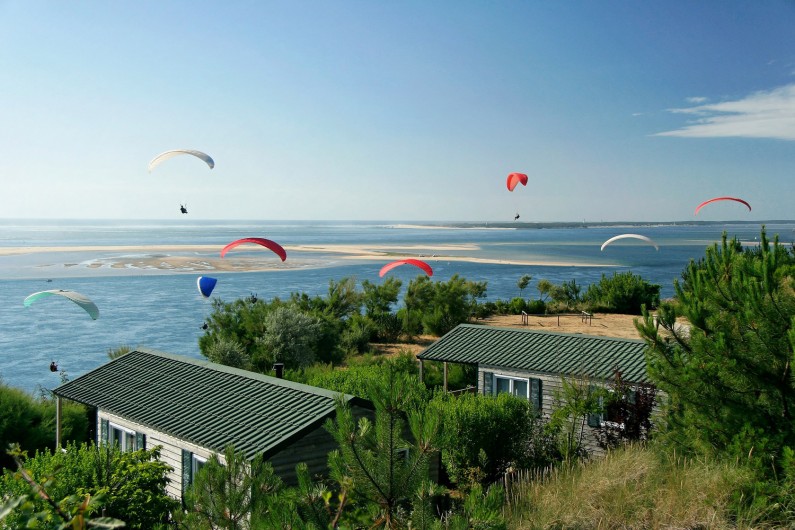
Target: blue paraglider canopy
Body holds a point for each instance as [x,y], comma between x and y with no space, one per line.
[206,285]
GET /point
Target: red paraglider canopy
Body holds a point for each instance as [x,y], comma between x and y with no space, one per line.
[722,199]
[267,243]
[417,263]
[514,179]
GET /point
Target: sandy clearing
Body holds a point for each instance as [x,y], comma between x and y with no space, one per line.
[603,325]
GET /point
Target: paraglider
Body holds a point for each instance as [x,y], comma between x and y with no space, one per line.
[267,243]
[183,208]
[514,179]
[79,299]
[417,263]
[176,152]
[206,285]
[53,366]
[722,199]
[632,236]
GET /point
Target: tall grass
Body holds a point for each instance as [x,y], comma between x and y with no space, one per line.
[632,488]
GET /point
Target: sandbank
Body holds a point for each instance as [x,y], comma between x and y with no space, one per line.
[205,258]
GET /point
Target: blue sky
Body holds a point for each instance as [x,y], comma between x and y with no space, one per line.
[408,110]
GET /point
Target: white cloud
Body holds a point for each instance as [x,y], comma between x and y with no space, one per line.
[696,99]
[769,114]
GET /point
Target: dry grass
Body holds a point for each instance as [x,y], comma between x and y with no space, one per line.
[630,488]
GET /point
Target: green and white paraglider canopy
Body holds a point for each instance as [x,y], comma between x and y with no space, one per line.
[81,300]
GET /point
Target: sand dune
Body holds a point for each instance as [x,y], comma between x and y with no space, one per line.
[190,258]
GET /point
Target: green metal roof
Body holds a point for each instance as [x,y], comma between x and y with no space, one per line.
[541,351]
[208,404]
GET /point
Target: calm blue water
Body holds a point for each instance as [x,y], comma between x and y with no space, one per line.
[163,310]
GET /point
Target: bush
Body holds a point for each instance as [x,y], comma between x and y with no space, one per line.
[622,293]
[517,305]
[30,422]
[356,337]
[133,484]
[536,307]
[484,435]
[388,327]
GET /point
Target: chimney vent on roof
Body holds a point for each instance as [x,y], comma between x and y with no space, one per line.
[279,369]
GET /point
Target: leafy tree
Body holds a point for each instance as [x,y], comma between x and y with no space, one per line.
[386,469]
[623,292]
[131,485]
[523,282]
[242,321]
[291,337]
[728,374]
[443,305]
[545,289]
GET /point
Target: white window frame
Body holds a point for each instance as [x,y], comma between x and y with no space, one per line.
[123,442]
[511,386]
[196,462]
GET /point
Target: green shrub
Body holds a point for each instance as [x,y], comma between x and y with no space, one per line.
[30,422]
[484,435]
[536,307]
[517,305]
[623,292]
[133,484]
[356,337]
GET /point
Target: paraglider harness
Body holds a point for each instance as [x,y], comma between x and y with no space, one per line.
[53,366]
[183,208]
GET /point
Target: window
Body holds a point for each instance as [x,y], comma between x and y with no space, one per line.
[126,439]
[191,464]
[521,387]
[121,436]
[615,411]
[197,463]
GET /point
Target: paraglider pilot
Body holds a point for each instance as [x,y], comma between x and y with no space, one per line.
[183,208]
[53,367]
[515,217]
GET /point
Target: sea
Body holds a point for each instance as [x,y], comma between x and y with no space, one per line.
[163,310]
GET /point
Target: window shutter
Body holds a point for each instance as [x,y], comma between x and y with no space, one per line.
[488,383]
[535,394]
[140,441]
[103,431]
[187,470]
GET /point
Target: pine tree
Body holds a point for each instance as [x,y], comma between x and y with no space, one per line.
[729,375]
[385,467]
